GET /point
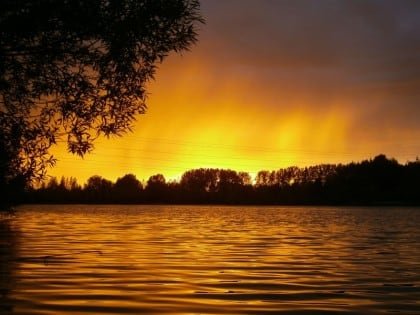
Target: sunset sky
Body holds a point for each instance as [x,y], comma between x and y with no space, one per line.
[272,84]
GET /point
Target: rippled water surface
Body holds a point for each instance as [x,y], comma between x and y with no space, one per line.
[209,260]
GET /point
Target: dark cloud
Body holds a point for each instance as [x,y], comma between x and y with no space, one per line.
[315,33]
[366,51]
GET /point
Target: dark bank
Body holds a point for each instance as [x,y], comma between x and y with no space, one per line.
[379,181]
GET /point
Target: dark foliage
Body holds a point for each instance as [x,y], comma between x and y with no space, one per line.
[379,181]
[75,70]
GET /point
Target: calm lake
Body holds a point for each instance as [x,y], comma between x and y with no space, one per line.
[209,260]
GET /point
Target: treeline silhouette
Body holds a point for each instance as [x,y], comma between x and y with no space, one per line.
[379,181]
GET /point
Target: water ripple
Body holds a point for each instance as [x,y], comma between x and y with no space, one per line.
[209,260]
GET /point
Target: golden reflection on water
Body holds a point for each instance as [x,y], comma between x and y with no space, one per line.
[209,260]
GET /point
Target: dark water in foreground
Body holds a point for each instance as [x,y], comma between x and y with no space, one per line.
[209,260]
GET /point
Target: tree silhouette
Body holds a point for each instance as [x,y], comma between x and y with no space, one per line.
[75,70]
[156,188]
[378,181]
[200,180]
[127,189]
[98,188]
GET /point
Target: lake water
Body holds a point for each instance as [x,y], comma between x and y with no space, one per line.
[209,260]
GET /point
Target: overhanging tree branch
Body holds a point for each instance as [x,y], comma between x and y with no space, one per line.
[79,68]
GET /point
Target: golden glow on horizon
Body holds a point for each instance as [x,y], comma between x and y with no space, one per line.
[197,119]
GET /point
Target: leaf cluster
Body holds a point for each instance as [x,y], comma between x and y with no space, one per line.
[75,70]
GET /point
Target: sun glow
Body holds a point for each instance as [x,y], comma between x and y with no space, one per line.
[198,118]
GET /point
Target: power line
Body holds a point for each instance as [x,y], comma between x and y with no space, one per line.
[241,147]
